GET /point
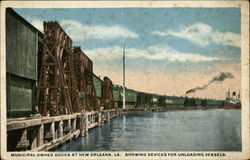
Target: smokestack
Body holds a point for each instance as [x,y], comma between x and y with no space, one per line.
[239,95]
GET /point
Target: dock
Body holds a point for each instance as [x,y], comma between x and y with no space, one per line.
[47,133]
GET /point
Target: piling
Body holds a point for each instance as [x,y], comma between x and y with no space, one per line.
[83,125]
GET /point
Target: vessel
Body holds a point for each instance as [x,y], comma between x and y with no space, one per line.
[232,102]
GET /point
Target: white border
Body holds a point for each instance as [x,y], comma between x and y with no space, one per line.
[244,5]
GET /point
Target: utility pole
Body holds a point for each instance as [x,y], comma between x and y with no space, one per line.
[123,100]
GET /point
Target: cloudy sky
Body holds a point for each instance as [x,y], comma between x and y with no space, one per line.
[168,50]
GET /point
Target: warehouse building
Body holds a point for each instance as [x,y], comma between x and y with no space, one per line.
[24,47]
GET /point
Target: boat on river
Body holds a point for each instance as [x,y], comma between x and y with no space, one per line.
[232,101]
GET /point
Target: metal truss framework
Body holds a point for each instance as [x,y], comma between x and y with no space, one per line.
[107,94]
[84,74]
[57,87]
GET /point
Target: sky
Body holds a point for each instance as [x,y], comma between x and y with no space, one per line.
[168,50]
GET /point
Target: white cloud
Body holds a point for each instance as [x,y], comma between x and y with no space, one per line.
[227,38]
[203,34]
[80,32]
[37,23]
[152,53]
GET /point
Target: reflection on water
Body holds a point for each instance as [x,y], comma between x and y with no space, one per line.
[197,130]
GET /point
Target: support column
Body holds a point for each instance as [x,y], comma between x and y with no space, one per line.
[52,130]
[108,118]
[73,124]
[83,125]
[60,129]
[40,136]
[93,118]
[86,123]
[100,121]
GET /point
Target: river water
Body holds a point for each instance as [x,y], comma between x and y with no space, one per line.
[192,130]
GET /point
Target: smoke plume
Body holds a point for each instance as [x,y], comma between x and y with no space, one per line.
[220,78]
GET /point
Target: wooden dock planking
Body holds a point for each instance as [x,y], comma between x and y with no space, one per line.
[46,133]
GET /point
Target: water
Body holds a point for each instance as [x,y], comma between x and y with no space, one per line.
[194,130]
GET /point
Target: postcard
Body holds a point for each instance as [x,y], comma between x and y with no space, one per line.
[125,80]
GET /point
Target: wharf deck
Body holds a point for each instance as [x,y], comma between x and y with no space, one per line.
[46,133]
